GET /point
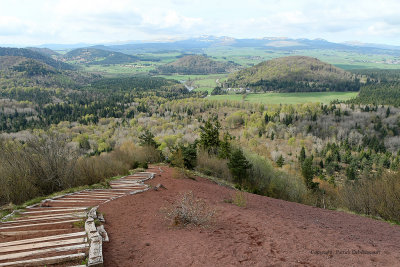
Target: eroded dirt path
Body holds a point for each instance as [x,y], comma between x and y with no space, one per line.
[52,233]
[267,232]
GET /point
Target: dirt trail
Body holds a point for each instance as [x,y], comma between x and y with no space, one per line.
[267,232]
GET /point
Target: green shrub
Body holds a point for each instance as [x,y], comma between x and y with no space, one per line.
[213,166]
[263,179]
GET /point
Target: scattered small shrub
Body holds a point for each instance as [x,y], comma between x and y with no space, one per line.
[239,199]
[190,210]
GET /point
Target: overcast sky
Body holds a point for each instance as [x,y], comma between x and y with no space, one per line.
[34,22]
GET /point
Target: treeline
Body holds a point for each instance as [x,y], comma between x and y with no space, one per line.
[381,87]
[303,86]
[383,93]
[378,75]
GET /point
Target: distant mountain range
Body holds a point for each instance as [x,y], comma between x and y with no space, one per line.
[196,44]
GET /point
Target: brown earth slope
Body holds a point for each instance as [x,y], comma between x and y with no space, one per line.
[267,232]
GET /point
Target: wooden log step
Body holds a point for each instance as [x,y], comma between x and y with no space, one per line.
[46,261]
[108,193]
[98,195]
[73,201]
[99,191]
[81,198]
[31,232]
[127,185]
[42,245]
[42,251]
[38,224]
[54,209]
[126,189]
[61,217]
[51,215]
[39,239]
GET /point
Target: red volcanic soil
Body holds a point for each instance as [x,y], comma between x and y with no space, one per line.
[267,232]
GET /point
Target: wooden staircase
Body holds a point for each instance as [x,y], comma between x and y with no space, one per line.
[53,231]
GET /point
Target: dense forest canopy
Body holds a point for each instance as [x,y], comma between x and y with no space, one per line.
[382,87]
[196,64]
[28,53]
[97,56]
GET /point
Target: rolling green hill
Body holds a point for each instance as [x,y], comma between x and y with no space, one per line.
[196,64]
[294,74]
[45,51]
[98,56]
[28,53]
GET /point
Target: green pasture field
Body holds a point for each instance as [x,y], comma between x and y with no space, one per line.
[200,82]
[288,98]
[120,69]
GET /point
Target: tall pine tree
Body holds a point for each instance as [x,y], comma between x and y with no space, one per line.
[238,165]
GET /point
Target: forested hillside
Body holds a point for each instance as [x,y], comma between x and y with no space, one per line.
[28,53]
[98,57]
[36,95]
[382,87]
[294,74]
[196,64]
[45,51]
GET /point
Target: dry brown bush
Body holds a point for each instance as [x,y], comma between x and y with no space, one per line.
[46,164]
[326,197]
[377,197]
[39,167]
[190,210]
[95,169]
[132,154]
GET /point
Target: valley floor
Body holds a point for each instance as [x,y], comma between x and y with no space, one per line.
[267,232]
